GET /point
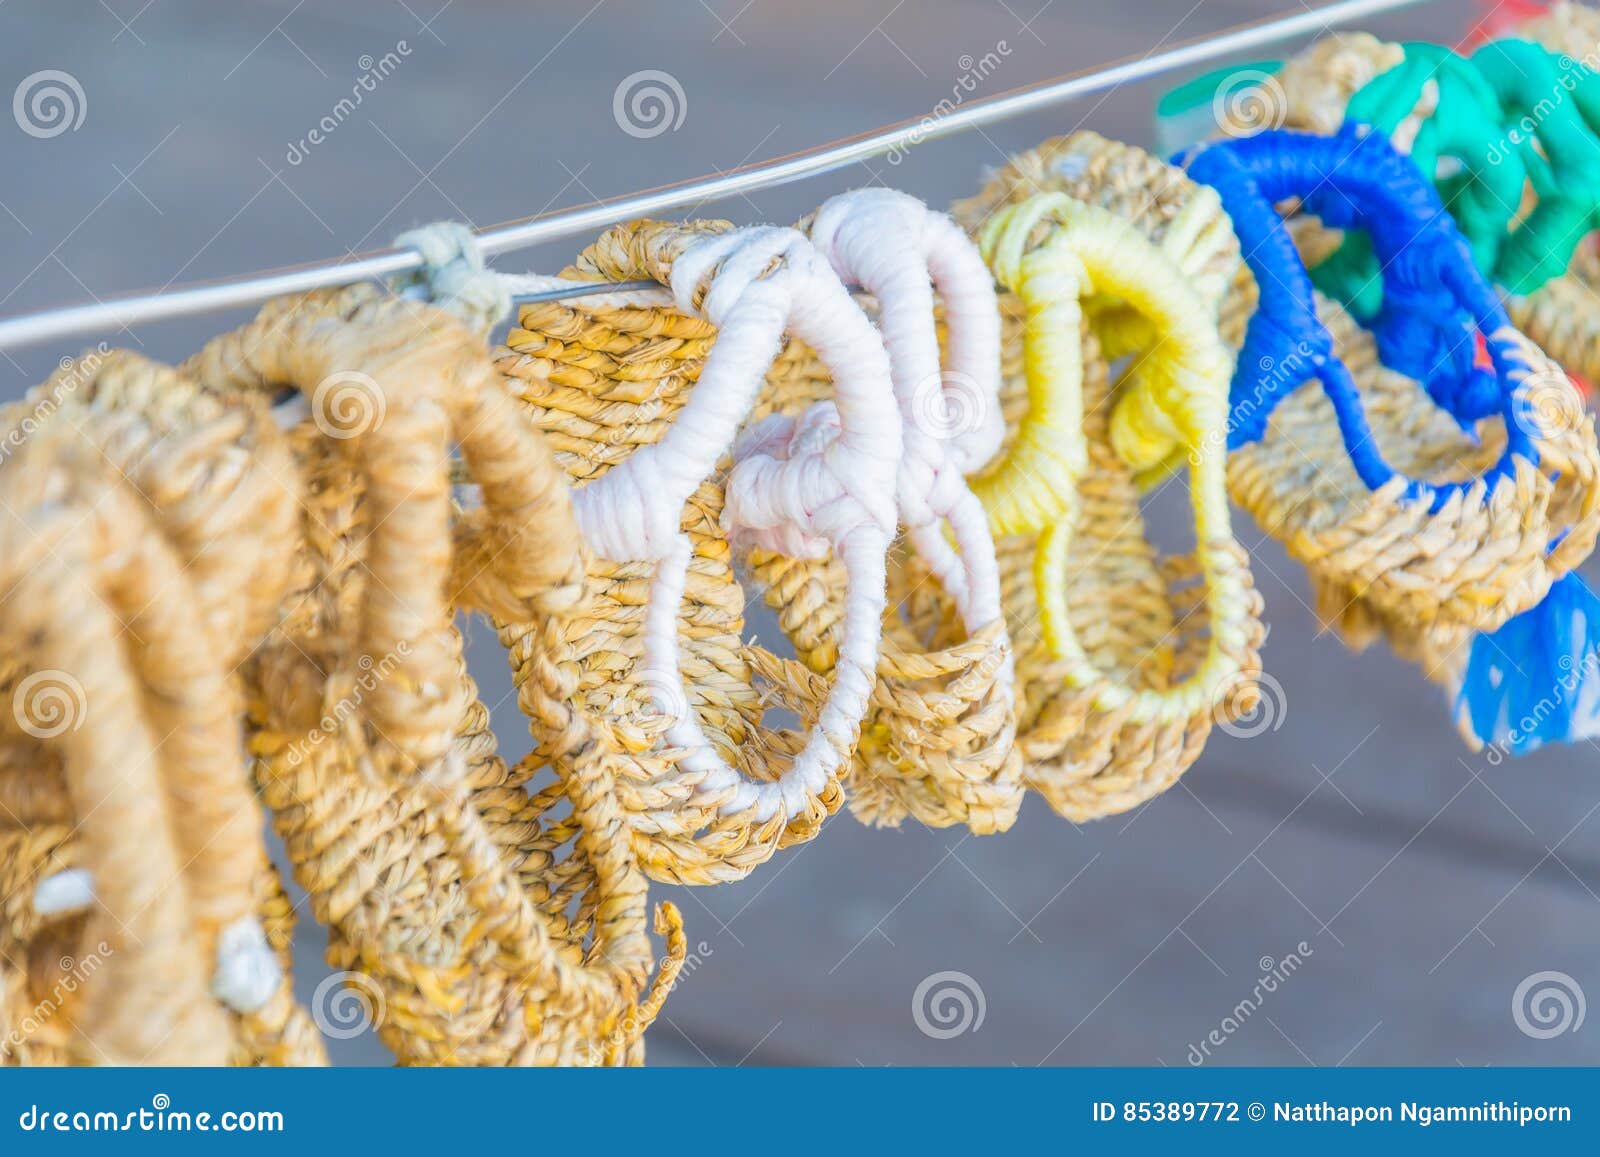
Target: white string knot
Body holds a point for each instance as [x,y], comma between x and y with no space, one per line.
[795,487]
[453,275]
[248,973]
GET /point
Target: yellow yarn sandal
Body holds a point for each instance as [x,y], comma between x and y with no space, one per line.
[640,396]
[149,540]
[939,741]
[1125,660]
[483,922]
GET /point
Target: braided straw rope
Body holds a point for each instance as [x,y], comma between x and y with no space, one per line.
[1125,659]
[939,741]
[147,537]
[1314,87]
[639,407]
[483,926]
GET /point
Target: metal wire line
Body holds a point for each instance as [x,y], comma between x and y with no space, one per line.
[206,297]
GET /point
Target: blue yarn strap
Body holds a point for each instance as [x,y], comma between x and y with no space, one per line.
[1537,679]
[1435,304]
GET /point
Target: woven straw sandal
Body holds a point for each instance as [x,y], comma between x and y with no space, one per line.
[938,744]
[148,529]
[482,923]
[1425,510]
[642,396]
[1123,256]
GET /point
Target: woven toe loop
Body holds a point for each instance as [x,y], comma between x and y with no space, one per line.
[392,384]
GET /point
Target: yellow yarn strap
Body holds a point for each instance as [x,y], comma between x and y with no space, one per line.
[1035,483]
[1193,241]
[1173,401]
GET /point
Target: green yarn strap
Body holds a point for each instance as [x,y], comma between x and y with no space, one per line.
[1482,191]
[1545,123]
[1513,114]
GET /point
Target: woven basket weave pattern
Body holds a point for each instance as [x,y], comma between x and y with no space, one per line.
[939,741]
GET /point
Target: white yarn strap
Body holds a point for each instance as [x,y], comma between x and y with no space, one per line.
[899,250]
[823,481]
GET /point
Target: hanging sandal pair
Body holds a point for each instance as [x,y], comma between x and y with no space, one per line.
[646,398]
[1436,496]
[147,529]
[483,921]
[1125,660]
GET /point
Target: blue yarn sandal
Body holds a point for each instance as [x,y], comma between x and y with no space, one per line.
[1443,477]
